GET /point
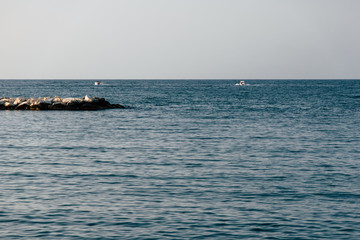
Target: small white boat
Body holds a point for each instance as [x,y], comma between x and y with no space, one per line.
[97,83]
[241,83]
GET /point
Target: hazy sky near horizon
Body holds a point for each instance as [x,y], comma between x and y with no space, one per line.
[141,39]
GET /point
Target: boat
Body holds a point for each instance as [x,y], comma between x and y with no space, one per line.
[241,83]
[97,83]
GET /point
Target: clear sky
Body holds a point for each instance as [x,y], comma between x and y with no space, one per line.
[179,39]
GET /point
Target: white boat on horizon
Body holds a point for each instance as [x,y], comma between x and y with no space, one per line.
[97,83]
[241,83]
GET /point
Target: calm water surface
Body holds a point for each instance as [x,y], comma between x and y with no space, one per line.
[187,160]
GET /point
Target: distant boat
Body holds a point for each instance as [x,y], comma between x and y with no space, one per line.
[241,83]
[97,83]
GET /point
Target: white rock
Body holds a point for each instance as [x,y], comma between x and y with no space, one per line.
[68,100]
[19,100]
[9,104]
[88,99]
[57,99]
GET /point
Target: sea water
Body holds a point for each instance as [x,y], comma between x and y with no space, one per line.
[188,159]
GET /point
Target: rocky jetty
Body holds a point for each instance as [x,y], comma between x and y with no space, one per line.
[56,103]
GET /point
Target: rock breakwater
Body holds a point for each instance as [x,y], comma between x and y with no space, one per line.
[56,103]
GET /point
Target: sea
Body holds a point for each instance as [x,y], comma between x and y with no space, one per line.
[186,159]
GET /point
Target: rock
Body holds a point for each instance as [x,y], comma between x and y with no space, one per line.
[117,106]
[91,107]
[19,100]
[46,100]
[44,105]
[88,99]
[56,103]
[9,105]
[57,106]
[22,106]
[2,105]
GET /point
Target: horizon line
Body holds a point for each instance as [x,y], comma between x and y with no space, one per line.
[209,79]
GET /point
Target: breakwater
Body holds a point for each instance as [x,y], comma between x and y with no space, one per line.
[56,103]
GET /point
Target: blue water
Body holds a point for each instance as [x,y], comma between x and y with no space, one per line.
[188,160]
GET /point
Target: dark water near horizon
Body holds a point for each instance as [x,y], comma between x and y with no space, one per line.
[274,159]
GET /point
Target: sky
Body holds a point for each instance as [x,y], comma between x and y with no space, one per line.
[179,39]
